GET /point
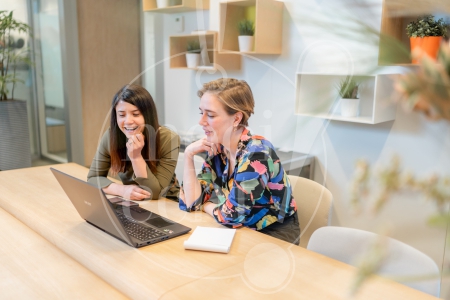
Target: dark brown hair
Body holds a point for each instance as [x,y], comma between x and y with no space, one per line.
[141,98]
[235,95]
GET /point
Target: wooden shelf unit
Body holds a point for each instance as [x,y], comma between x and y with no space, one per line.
[316,95]
[210,59]
[186,5]
[268,21]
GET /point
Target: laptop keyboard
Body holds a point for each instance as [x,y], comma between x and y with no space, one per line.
[137,230]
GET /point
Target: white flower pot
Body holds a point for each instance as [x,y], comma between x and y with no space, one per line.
[349,107]
[246,43]
[162,3]
[192,60]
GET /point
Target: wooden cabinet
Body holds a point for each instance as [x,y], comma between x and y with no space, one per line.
[317,96]
[175,6]
[210,58]
[267,16]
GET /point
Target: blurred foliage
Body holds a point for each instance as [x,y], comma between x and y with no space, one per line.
[427,89]
[391,180]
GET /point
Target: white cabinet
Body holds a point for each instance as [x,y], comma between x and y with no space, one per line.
[317,96]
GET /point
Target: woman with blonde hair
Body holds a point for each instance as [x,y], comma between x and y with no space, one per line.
[242,171]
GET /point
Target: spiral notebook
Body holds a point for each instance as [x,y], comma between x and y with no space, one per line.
[210,239]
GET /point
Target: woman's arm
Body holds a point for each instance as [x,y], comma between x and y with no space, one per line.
[155,183]
[192,188]
[98,173]
[131,191]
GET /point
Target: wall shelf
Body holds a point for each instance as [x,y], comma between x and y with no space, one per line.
[268,19]
[317,96]
[211,59]
[186,5]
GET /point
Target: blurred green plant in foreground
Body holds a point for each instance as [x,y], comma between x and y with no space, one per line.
[427,89]
[390,181]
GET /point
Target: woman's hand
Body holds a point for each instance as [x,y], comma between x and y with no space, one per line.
[135,144]
[134,192]
[202,145]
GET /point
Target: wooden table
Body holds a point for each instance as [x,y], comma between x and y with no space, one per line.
[33,268]
[258,266]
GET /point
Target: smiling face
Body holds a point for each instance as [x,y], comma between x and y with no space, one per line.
[129,119]
[215,121]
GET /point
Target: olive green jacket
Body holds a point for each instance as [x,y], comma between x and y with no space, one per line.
[161,184]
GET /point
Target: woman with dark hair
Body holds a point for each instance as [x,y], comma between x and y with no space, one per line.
[137,149]
[242,182]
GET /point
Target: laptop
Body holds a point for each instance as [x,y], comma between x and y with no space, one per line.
[122,219]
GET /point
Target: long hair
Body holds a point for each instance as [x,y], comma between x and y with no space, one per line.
[141,98]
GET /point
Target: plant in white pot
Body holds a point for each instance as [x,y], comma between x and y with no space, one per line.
[162,3]
[348,90]
[193,54]
[246,38]
[14,135]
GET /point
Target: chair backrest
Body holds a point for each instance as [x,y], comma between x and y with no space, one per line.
[313,206]
[348,245]
[179,169]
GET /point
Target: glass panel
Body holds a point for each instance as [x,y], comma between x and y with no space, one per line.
[49,79]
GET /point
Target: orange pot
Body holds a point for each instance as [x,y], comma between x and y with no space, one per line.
[428,45]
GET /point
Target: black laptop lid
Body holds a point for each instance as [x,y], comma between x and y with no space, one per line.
[92,205]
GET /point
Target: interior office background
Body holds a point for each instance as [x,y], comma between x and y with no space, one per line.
[89,49]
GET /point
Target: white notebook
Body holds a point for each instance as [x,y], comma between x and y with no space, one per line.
[210,239]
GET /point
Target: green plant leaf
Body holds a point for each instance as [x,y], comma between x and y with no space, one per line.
[246,27]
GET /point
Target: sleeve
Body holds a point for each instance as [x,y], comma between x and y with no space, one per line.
[101,163]
[247,188]
[205,178]
[157,184]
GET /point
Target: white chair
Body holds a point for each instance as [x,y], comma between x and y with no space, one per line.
[313,205]
[179,169]
[348,245]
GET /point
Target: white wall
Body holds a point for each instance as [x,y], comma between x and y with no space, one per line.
[316,39]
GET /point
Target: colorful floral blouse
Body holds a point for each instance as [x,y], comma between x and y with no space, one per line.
[258,192]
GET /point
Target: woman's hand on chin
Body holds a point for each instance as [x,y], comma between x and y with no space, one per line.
[202,145]
[135,144]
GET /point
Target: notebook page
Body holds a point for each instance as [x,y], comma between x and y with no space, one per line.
[210,239]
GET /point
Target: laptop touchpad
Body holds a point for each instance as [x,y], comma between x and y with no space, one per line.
[158,222]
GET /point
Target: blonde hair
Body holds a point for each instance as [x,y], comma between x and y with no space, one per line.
[235,95]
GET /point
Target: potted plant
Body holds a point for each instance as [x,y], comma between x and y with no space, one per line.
[167,3]
[246,32]
[193,54]
[162,3]
[348,91]
[425,35]
[14,135]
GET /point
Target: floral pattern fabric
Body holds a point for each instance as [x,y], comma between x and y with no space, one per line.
[257,194]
